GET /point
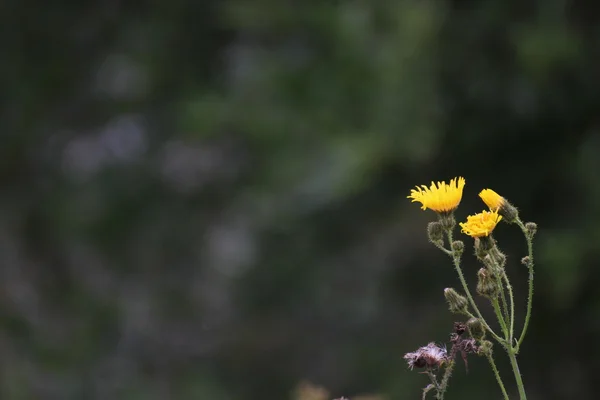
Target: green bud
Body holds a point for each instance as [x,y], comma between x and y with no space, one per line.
[487,286]
[498,257]
[492,264]
[457,303]
[508,212]
[485,348]
[435,232]
[531,229]
[488,261]
[476,329]
[458,247]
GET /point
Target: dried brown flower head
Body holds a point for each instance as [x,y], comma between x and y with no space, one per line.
[431,356]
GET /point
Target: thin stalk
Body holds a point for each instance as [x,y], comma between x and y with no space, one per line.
[501,320]
[433,380]
[445,380]
[503,298]
[530,294]
[497,374]
[512,308]
[461,277]
[442,248]
[518,378]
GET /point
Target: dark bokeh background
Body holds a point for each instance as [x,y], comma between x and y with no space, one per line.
[207,199]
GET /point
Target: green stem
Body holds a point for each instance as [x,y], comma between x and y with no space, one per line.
[434,382]
[503,298]
[461,277]
[518,378]
[442,248]
[497,374]
[445,381]
[530,295]
[503,323]
[512,308]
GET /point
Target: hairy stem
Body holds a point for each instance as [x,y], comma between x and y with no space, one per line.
[497,374]
[503,298]
[501,320]
[512,308]
[461,277]
[517,372]
[530,294]
[445,380]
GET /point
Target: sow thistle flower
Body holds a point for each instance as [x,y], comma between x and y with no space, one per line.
[481,224]
[498,203]
[492,283]
[442,198]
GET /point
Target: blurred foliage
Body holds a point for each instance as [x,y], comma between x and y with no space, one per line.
[206,200]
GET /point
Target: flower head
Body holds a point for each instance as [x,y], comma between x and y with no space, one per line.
[498,203]
[481,224]
[431,356]
[443,197]
[492,199]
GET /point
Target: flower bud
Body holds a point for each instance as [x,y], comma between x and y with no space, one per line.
[485,348]
[498,257]
[496,202]
[508,212]
[458,247]
[494,262]
[531,229]
[435,232]
[476,329]
[487,286]
[488,261]
[526,261]
[456,303]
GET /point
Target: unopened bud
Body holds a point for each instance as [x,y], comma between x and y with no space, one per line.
[498,257]
[485,348]
[508,212]
[531,229]
[476,329]
[483,245]
[488,261]
[435,232]
[493,264]
[525,261]
[458,247]
[457,303]
[487,286]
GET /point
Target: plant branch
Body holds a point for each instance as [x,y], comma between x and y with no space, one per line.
[461,277]
[530,292]
[497,374]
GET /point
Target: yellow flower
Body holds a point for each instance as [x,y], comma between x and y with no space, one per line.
[498,203]
[492,199]
[441,198]
[481,224]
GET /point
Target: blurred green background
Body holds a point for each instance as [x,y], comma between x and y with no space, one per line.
[207,199]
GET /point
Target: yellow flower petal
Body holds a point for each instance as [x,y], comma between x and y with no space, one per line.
[481,224]
[492,199]
[443,197]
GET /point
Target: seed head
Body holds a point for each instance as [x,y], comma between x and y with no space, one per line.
[431,356]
